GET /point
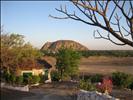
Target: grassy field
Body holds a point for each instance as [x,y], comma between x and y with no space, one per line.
[102,64]
[106,65]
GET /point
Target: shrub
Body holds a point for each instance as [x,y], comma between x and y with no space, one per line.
[12,78]
[55,76]
[105,86]
[84,77]
[7,77]
[42,78]
[96,78]
[131,85]
[35,79]
[121,79]
[19,79]
[86,85]
[27,78]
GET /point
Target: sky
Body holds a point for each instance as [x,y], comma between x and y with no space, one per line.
[31,19]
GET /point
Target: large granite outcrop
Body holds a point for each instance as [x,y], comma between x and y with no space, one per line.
[94,95]
[55,46]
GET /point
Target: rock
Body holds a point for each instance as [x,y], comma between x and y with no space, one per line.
[94,95]
[48,81]
[55,46]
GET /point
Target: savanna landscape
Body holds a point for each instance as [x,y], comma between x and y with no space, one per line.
[87,56]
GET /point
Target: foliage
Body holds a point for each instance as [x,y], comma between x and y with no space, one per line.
[86,85]
[27,78]
[96,78]
[110,53]
[131,85]
[67,62]
[42,78]
[19,79]
[93,78]
[16,53]
[35,79]
[6,76]
[55,76]
[12,78]
[48,53]
[121,79]
[105,86]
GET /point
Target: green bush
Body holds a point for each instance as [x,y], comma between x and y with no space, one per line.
[121,79]
[35,79]
[19,79]
[131,85]
[42,78]
[93,78]
[12,78]
[86,85]
[96,78]
[6,77]
[55,76]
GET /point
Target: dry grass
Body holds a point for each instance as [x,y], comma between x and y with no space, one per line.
[106,65]
[102,64]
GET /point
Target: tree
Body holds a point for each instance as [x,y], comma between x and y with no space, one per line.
[8,43]
[107,15]
[15,53]
[67,62]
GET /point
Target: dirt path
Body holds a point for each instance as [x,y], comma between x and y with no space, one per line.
[55,91]
[50,94]
[43,92]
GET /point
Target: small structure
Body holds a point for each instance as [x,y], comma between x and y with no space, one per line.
[48,68]
[38,69]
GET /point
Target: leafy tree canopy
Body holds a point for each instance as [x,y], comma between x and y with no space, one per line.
[67,62]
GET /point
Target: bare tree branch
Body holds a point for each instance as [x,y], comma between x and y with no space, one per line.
[107,38]
[95,9]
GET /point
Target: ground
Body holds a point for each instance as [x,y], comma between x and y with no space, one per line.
[65,91]
[43,92]
[55,91]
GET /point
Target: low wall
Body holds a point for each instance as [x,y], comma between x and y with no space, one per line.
[87,95]
[20,88]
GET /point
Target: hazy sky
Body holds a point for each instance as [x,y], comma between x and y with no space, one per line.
[31,18]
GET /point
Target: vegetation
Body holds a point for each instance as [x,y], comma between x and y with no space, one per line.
[55,76]
[105,86]
[86,85]
[67,62]
[19,80]
[96,78]
[35,79]
[105,83]
[122,80]
[15,53]
[93,78]
[109,53]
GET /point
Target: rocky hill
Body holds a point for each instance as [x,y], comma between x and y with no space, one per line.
[55,46]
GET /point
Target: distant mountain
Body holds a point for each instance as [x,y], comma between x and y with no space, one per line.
[55,46]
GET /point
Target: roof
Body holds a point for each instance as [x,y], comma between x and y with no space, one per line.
[44,63]
[40,64]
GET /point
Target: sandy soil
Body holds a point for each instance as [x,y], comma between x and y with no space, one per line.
[43,92]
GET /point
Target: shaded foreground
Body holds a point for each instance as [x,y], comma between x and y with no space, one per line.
[43,92]
[55,91]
